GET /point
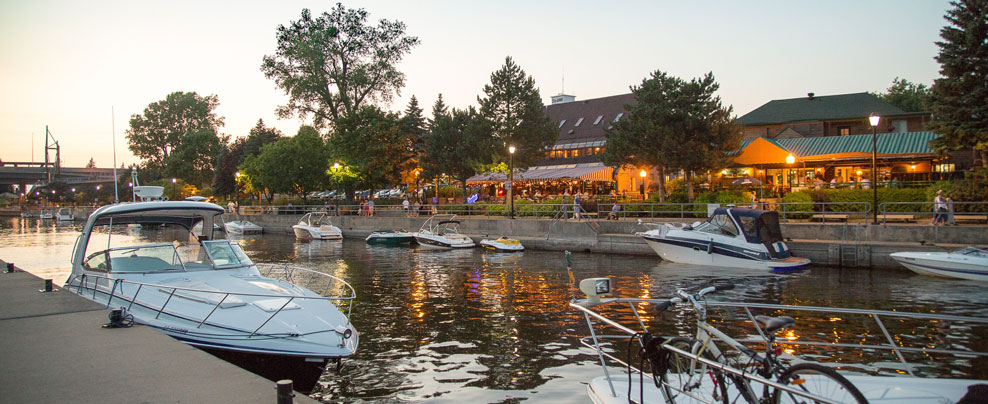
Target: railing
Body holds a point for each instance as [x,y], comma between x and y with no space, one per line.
[893,342]
[976,211]
[114,291]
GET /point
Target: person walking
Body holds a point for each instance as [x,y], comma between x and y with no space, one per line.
[576,207]
[950,211]
[404,206]
[614,211]
[370,207]
[939,208]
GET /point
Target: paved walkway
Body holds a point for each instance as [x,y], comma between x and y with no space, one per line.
[53,349]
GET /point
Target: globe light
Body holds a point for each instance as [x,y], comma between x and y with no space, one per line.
[790,159]
[642,173]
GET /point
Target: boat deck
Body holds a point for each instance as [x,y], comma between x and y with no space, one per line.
[55,350]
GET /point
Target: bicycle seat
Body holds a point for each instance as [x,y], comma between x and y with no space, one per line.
[773,324]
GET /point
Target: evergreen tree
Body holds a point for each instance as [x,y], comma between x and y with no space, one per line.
[413,137]
[960,98]
[458,144]
[91,164]
[513,107]
[676,124]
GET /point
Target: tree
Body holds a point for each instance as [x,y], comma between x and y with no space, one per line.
[960,98]
[458,144]
[157,132]
[677,124]
[909,97]
[91,163]
[234,154]
[331,65]
[413,132]
[517,116]
[370,144]
[292,165]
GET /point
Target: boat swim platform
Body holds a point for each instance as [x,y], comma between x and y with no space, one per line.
[54,349]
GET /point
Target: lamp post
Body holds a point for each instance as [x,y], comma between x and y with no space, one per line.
[873,119]
[236,190]
[789,160]
[642,174]
[511,179]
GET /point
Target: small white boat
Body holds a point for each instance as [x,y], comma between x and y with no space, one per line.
[440,231]
[242,227]
[317,226]
[65,215]
[732,237]
[967,263]
[209,294]
[390,237]
[502,244]
[46,215]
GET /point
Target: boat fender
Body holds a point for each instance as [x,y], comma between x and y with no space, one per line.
[710,247]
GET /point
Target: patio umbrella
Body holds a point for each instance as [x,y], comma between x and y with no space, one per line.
[747,181]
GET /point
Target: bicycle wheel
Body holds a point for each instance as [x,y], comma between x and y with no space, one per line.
[691,381]
[818,380]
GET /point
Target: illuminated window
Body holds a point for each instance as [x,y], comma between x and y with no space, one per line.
[844,130]
[576,152]
[944,168]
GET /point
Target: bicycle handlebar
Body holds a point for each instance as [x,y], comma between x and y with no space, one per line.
[685,296]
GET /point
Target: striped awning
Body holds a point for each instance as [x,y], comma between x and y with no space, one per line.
[594,173]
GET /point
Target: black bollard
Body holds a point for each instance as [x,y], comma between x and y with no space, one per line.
[10,267]
[285,393]
[48,286]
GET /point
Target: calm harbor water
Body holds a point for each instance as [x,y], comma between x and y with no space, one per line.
[469,326]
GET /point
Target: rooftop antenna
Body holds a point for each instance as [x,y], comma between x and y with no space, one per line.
[113,131]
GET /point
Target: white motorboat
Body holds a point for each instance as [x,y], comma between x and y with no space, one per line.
[316,226]
[46,215]
[502,244]
[440,231]
[209,294]
[65,215]
[967,263]
[732,237]
[390,237]
[242,227]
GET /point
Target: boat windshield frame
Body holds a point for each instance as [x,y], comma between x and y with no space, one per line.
[973,251]
[236,257]
[322,219]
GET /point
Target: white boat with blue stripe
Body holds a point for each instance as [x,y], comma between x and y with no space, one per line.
[209,294]
[967,263]
[732,237]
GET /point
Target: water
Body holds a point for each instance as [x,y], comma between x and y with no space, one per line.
[469,326]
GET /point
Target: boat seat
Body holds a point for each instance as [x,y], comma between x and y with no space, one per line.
[773,324]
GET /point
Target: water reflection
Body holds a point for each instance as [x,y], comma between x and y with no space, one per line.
[469,325]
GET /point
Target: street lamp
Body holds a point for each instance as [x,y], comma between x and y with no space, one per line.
[789,160]
[511,179]
[642,174]
[873,119]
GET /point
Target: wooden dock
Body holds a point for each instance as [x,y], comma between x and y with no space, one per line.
[53,349]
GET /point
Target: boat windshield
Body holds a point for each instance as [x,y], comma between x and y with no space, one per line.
[145,258]
[315,220]
[974,252]
[719,223]
[225,254]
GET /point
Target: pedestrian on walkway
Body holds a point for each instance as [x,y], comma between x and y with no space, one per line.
[939,208]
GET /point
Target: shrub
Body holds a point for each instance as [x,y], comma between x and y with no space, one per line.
[801,202]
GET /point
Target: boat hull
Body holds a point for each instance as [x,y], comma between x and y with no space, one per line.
[443,243]
[303,372]
[697,252]
[494,245]
[310,233]
[390,239]
[943,265]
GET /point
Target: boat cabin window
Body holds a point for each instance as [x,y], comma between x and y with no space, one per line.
[749,227]
[225,254]
[148,258]
[721,224]
[97,262]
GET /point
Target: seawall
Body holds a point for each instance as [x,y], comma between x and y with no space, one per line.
[837,244]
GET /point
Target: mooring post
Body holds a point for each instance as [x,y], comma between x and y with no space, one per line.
[285,393]
[48,286]
[10,267]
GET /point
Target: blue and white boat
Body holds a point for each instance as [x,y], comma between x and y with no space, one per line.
[967,263]
[732,237]
[209,294]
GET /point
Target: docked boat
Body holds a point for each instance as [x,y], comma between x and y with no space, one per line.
[65,215]
[316,226]
[732,237]
[209,294]
[46,215]
[967,263]
[390,237]
[502,244]
[242,227]
[440,231]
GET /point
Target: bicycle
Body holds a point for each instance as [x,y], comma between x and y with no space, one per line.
[693,369]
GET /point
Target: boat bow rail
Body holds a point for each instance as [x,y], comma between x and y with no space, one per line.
[606,345]
[127,294]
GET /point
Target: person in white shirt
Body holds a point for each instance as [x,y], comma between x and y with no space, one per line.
[939,209]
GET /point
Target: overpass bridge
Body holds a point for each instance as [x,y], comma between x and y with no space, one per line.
[42,174]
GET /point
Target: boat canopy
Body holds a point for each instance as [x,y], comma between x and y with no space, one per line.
[183,213]
[758,226]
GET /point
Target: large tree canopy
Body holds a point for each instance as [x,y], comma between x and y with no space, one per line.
[517,117]
[677,124]
[159,131]
[960,98]
[331,65]
[193,160]
[458,144]
[291,165]
[371,145]
[234,154]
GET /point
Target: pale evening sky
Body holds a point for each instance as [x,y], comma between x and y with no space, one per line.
[64,63]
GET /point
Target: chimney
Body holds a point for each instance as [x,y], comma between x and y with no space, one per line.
[810,95]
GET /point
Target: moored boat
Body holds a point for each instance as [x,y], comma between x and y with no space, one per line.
[502,244]
[732,237]
[967,263]
[65,215]
[209,294]
[316,226]
[440,231]
[390,237]
[242,227]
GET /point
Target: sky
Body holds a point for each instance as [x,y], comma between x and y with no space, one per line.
[83,68]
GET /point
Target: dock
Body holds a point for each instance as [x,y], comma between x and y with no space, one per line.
[53,348]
